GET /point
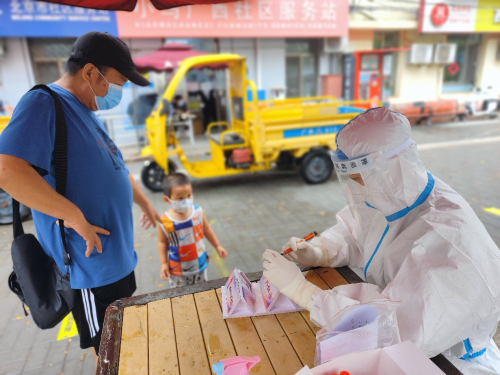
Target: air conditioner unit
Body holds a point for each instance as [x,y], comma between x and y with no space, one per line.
[421,53]
[445,53]
[334,45]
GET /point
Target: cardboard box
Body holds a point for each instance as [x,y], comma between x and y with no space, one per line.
[401,359]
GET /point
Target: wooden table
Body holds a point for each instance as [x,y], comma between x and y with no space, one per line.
[181,331]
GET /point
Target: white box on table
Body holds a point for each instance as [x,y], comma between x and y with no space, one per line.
[400,359]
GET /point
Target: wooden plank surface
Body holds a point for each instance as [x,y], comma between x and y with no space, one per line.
[134,342]
[190,345]
[279,349]
[331,277]
[218,341]
[162,345]
[247,342]
[300,335]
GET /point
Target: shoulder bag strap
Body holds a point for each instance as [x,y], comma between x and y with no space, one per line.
[60,164]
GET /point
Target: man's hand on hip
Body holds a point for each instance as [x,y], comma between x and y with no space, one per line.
[88,232]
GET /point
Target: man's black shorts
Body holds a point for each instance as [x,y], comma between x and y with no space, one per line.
[90,308]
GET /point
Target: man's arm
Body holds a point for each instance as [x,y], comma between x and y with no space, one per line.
[20,180]
[149,215]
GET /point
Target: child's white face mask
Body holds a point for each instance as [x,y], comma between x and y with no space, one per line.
[183,206]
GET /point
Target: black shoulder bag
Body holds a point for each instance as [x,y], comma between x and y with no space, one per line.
[36,279]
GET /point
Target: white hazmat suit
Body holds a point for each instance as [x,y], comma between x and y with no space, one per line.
[416,240]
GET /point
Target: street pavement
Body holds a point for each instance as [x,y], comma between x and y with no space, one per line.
[250,213]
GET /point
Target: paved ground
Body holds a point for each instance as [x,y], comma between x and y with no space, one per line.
[248,214]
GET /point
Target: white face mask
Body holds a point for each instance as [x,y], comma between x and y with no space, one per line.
[183,206]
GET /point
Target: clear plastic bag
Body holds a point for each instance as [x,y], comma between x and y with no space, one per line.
[358,328]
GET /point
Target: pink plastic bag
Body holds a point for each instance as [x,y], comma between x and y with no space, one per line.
[239,365]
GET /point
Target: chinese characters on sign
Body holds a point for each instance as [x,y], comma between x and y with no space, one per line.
[37,18]
[246,18]
[448,16]
[465,16]
[28,10]
[496,18]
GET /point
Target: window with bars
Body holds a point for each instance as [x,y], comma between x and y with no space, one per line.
[466,57]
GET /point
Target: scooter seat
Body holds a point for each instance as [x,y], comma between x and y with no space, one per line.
[229,139]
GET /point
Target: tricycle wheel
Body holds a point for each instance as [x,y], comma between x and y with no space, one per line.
[152,175]
[316,167]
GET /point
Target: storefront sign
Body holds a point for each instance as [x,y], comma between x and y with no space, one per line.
[459,16]
[447,16]
[28,18]
[488,16]
[439,14]
[247,18]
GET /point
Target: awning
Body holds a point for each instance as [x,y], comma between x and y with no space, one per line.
[129,5]
[165,59]
[384,50]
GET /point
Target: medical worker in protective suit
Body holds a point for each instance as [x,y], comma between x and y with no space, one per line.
[416,240]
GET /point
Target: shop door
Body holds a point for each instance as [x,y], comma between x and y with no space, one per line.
[301,71]
[388,74]
[300,76]
[369,77]
[293,75]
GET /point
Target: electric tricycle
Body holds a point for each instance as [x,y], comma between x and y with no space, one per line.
[255,135]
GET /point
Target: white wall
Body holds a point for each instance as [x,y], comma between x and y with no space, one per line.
[243,47]
[265,59]
[488,73]
[273,64]
[139,47]
[417,82]
[16,71]
[383,15]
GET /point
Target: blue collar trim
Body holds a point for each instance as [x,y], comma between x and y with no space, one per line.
[369,205]
[421,199]
[376,249]
[469,353]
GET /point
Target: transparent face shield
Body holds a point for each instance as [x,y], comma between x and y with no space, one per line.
[350,174]
[353,185]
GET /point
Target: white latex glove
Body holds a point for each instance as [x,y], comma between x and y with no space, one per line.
[306,254]
[288,279]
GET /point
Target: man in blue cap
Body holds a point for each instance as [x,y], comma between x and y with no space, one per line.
[97,206]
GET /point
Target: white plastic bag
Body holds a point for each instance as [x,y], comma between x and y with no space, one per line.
[358,328]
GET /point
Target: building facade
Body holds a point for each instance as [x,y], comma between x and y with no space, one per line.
[358,49]
[422,65]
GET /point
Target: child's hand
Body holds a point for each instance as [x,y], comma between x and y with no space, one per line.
[221,251]
[164,274]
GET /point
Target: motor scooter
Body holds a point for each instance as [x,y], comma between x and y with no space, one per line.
[482,103]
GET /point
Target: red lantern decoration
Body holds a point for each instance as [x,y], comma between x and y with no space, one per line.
[453,68]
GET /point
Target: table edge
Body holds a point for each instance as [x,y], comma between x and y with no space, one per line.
[109,352]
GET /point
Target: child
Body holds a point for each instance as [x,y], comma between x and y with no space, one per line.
[181,244]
